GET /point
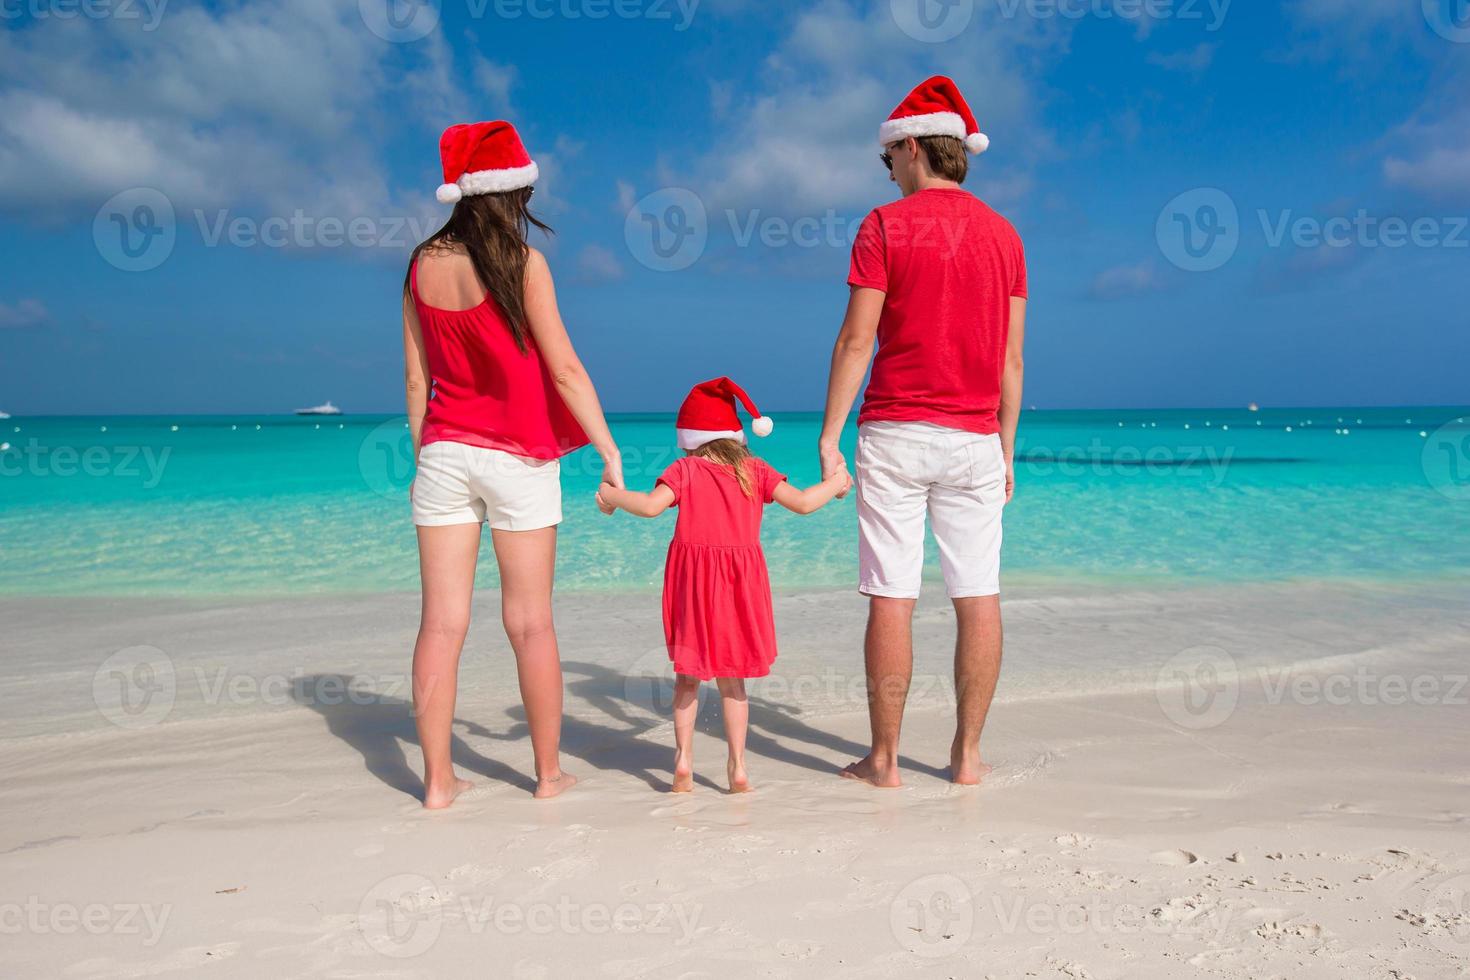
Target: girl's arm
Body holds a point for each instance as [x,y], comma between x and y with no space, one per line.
[565,368]
[415,375]
[611,498]
[813,498]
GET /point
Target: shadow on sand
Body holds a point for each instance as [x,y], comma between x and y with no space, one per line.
[380,728]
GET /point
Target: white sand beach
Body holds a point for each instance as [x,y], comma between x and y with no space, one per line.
[1251,782]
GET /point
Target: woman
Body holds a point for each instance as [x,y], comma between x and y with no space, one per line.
[482,335]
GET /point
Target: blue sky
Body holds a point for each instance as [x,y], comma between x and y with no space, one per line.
[1114,123]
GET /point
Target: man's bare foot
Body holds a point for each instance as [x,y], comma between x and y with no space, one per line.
[552,786]
[683,774]
[739,781]
[881,774]
[965,767]
[439,797]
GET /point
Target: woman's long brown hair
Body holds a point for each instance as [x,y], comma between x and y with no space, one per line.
[728,452]
[492,230]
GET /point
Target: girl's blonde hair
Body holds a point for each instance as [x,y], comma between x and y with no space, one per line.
[731,453]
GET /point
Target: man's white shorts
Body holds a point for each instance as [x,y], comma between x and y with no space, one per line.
[460,484]
[907,470]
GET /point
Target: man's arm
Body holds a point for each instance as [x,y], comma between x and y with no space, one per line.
[1011,383]
[850,358]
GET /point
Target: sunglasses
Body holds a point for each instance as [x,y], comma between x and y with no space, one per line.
[887,155]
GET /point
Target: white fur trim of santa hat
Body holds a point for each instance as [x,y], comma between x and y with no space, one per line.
[931,124]
[694,438]
[489,182]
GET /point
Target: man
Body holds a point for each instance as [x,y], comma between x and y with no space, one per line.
[939,282]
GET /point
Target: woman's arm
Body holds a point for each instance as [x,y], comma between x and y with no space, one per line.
[565,368]
[415,375]
[635,503]
[813,498]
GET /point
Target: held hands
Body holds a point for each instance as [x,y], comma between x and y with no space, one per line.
[602,503]
[833,464]
[612,478]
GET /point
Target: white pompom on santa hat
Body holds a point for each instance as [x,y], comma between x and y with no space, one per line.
[709,414]
[483,158]
[934,108]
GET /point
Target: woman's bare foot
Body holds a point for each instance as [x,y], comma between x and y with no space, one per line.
[551,786]
[439,797]
[683,774]
[739,781]
[965,767]
[880,774]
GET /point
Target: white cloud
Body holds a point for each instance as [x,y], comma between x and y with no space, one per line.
[1192,60]
[1123,281]
[272,105]
[1432,155]
[804,138]
[24,314]
[597,264]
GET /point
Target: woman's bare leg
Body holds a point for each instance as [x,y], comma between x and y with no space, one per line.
[736,711]
[527,566]
[686,708]
[447,567]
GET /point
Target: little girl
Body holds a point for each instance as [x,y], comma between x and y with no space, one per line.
[717,593]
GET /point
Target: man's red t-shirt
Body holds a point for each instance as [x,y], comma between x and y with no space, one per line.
[949,266]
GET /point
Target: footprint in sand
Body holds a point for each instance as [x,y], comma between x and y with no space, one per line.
[1173,858]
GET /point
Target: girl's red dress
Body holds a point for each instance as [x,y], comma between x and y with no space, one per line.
[717,593]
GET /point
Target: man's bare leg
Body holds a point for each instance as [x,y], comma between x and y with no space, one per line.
[977,654]
[889,655]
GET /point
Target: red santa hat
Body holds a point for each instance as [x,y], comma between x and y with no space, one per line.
[934,108]
[709,414]
[483,158]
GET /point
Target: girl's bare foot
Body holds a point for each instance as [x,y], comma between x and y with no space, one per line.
[965,767]
[683,774]
[551,786]
[739,781]
[438,797]
[882,774]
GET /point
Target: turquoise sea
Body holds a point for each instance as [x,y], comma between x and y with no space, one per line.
[273,505]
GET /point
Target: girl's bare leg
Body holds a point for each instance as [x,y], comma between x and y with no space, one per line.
[686,707]
[527,564]
[447,567]
[736,711]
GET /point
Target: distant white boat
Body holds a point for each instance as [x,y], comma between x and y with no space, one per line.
[326,408]
[4,415]
[1254,407]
